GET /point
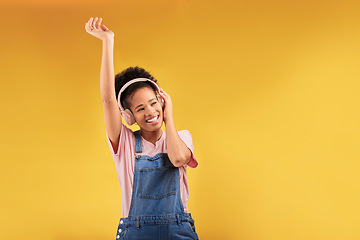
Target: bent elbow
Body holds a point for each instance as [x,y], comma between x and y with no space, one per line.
[181,162]
[178,164]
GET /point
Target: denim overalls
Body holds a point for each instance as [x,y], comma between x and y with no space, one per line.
[156,210]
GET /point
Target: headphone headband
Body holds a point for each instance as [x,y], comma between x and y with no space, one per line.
[131,82]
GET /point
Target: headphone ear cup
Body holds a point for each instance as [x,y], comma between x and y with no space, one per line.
[128,117]
[132,119]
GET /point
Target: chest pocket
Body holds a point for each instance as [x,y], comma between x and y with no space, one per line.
[157,183]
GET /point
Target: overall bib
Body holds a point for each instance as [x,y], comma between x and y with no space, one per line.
[156,210]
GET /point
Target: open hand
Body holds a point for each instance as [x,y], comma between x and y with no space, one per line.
[94,28]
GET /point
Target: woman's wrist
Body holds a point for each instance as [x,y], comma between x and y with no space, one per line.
[168,120]
[108,40]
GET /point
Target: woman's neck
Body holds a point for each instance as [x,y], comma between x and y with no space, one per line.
[151,136]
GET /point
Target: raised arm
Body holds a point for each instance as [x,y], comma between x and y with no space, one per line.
[112,116]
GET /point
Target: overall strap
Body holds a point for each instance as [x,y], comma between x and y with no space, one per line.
[138,142]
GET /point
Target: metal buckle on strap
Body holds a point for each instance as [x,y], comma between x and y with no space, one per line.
[178,219]
[137,223]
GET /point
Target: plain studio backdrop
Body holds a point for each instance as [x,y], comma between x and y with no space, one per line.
[269,91]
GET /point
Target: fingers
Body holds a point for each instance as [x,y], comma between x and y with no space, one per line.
[90,21]
[94,23]
[163,94]
[162,91]
[104,27]
[87,24]
[98,23]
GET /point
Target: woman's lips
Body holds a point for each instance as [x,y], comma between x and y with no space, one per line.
[155,121]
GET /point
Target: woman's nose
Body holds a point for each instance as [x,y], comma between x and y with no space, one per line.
[150,111]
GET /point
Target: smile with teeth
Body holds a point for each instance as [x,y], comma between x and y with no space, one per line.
[153,119]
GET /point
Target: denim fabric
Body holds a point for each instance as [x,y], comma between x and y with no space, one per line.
[156,210]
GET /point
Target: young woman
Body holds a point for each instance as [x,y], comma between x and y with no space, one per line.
[150,163]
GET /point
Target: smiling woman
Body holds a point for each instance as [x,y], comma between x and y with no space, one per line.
[150,163]
[148,106]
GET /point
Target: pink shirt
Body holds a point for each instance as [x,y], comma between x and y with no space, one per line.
[125,159]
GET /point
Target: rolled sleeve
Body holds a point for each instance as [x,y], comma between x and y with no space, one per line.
[186,137]
[125,138]
[114,151]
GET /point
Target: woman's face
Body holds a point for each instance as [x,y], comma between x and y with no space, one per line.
[145,108]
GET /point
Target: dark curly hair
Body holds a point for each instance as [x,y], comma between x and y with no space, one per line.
[125,76]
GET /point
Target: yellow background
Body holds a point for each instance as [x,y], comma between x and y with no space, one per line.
[268,89]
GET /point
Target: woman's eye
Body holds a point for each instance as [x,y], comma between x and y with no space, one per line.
[140,109]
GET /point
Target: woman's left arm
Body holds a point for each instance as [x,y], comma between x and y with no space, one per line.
[179,153]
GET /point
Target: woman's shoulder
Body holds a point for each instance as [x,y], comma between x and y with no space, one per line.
[185,135]
[184,131]
[127,135]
